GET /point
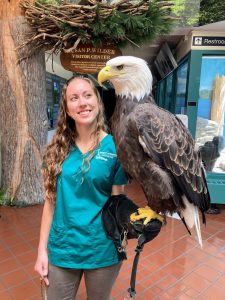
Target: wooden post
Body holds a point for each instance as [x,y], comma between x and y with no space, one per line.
[23,116]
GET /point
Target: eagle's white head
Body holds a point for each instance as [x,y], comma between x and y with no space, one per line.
[130,76]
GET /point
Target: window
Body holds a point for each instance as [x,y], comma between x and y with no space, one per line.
[210,130]
[54,86]
[168,94]
[181,89]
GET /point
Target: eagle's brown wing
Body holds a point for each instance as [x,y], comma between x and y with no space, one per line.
[168,143]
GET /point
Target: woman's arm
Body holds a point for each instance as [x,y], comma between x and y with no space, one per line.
[41,265]
[117,189]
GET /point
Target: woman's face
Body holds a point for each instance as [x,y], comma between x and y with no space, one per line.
[82,102]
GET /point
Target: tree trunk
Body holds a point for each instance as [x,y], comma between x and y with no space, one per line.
[23,117]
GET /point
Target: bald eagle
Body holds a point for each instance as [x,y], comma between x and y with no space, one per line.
[155,147]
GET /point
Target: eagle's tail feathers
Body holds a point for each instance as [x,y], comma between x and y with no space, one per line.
[197,226]
[183,220]
[191,217]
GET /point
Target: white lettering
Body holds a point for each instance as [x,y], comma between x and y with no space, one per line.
[214,42]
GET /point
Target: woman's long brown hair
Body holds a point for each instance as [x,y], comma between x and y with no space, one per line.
[64,137]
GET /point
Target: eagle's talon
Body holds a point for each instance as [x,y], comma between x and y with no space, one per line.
[147,214]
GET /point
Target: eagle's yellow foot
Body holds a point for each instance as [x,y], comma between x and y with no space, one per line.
[145,213]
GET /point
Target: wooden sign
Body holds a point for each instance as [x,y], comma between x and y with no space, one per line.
[88,59]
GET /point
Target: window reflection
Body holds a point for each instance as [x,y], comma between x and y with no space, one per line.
[168,94]
[54,86]
[181,89]
[210,130]
[161,93]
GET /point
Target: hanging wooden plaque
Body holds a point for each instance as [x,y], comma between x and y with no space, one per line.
[88,59]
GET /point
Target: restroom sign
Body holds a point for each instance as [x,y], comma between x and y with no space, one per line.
[209,41]
[197,41]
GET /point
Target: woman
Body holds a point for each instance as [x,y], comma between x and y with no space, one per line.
[81,171]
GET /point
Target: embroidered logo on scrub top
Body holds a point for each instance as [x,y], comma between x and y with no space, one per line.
[104,155]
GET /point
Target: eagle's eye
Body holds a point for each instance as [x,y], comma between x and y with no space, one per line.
[120,67]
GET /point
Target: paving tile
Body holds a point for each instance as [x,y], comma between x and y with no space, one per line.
[159,259]
[148,294]
[176,290]
[196,282]
[203,298]
[34,243]
[25,291]
[207,272]
[36,280]
[29,269]
[4,295]
[154,278]
[142,273]
[214,293]
[209,248]
[149,265]
[221,282]
[188,262]
[197,254]
[15,278]
[176,269]
[12,240]
[20,248]
[215,240]
[184,297]
[35,297]
[31,233]
[164,296]
[155,290]
[2,287]
[5,254]
[9,265]
[166,282]
[192,293]
[216,263]
[27,257]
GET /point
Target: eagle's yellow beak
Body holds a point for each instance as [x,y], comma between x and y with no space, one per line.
[106,74]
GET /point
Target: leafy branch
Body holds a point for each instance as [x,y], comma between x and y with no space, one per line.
[62,26]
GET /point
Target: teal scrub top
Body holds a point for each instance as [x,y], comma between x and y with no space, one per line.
[77,238]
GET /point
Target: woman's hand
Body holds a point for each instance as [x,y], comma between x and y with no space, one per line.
[41,265]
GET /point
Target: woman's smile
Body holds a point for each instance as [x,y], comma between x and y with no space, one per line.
[84,113]
[82,103]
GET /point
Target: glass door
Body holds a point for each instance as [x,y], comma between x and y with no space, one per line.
[210,128]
